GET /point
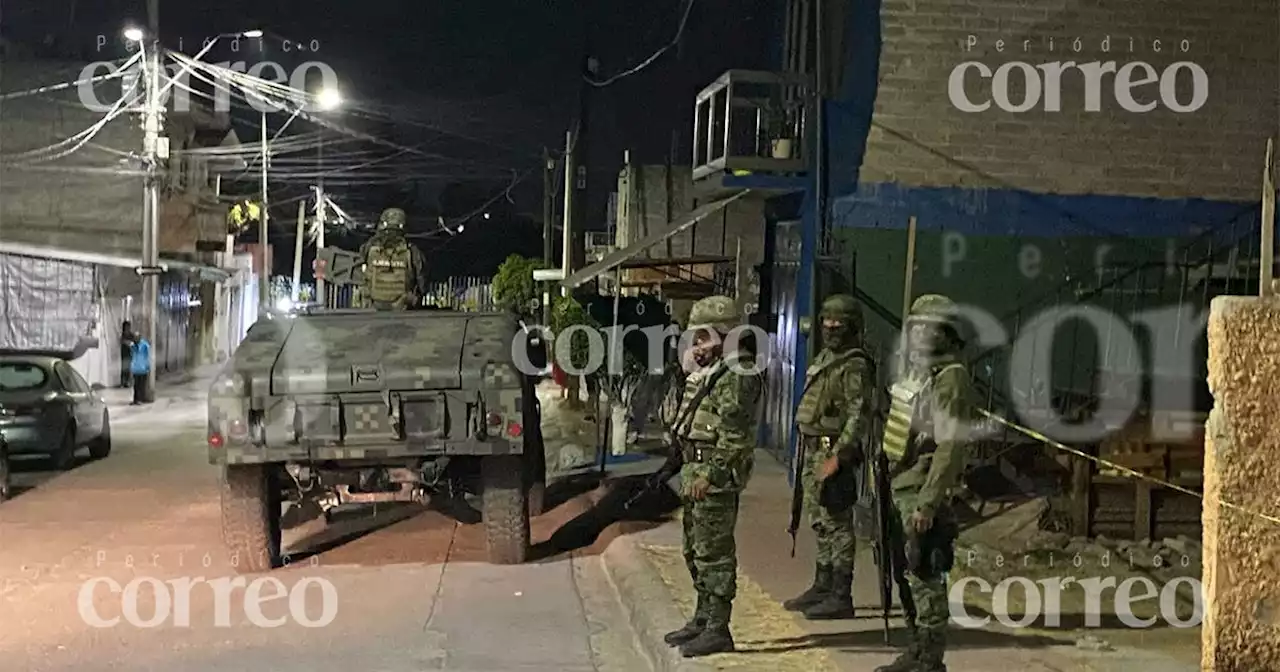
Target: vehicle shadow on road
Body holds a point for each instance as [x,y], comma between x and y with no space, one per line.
[624,502]
[29,473]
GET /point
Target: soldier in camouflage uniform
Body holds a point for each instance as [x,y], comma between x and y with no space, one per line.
[832,419]
[926,444]
[718,437]
[393,267]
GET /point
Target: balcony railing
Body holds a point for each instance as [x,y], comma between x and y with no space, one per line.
[751,122]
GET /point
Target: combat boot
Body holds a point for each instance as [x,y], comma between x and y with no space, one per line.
[909,660]
[933,644]
[715,637]
[815,593]
[690,630]
[838,604]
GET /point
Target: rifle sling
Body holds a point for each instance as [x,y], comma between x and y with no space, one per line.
[832,365]
[695,401]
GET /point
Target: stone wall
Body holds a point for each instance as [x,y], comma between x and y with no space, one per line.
[1241,630]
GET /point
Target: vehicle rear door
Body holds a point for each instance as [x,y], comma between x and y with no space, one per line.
[80,394]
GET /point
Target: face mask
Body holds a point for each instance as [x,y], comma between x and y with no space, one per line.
[836,336]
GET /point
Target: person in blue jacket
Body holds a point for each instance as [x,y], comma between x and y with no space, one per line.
[140,367]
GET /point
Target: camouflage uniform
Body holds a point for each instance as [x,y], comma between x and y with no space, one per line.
[832,419]
[719,439]
[393,267]
[926,444]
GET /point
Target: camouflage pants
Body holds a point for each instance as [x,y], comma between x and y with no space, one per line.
[834,531]
[711,553]
[929,594]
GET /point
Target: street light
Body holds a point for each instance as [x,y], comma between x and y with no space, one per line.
[134,34]
[329,99]
[252,34]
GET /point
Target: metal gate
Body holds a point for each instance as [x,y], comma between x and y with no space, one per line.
[780,379]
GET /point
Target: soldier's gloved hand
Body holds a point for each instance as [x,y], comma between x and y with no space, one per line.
[829,468]
[921,521]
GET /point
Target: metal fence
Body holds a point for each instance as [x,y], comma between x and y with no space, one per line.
[472,294]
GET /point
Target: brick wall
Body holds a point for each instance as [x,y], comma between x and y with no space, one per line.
[919,138]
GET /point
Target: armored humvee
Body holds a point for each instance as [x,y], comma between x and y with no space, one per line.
[341,407]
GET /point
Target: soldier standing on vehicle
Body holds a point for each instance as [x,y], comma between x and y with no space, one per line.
[832,420]
[716,432]
[393,267]
[926,443]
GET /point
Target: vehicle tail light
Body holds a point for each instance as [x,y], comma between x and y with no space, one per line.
[238,429]
[215,440]
[514,429]
[495,420]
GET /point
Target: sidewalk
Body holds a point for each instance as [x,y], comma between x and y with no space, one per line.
[770,638]
[182,391]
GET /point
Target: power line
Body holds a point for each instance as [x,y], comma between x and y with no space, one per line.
[675,41]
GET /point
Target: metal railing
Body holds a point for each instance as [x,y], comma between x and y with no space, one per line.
[751,121]
[470,294]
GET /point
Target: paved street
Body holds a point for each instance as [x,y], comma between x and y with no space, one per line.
[414,594]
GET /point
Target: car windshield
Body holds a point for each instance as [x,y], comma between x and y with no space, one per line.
[21,376]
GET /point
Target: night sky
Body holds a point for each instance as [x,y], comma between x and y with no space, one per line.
[480,85]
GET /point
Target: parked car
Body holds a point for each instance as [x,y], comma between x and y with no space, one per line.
[47,408]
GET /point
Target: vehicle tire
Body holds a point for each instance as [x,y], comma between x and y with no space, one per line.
[65,458]
[535,462]
[6,480]
[101,446]
[251,517]
[504,508]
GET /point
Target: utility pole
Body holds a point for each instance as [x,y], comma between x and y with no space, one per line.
[264,284]
[566,263]
[321,211]
[297,249]
[152,122]
[548,213]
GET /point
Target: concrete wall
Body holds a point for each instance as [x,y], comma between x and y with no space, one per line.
[87,201]
[643,208]
[1241,628]
[90,200]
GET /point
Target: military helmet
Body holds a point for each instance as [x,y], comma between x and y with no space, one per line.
[392,218]
[715,312]
[842,307]
[936,309]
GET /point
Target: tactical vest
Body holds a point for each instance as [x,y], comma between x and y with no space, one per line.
[823,407]
[700,429]
[903,410]
[387,271]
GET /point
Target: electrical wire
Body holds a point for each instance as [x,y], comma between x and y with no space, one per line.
[80,139]
[120,72]
[675,41]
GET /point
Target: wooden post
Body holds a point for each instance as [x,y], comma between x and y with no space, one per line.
[1082,495]
[911,268]
[1266,259]
[1143,518]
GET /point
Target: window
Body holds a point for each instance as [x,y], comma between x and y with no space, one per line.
[22,376]
[67,376]
[81,383]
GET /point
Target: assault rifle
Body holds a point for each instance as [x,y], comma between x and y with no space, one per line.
[797,493]
[675,460]
[882,544]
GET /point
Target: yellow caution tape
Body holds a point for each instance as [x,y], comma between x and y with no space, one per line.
[1118,467]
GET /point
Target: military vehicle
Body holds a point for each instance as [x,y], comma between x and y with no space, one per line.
[353,406]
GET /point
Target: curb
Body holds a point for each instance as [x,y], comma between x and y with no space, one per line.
[648,604]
